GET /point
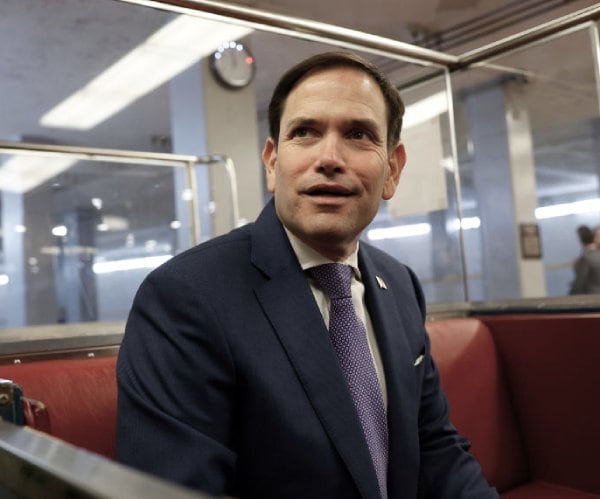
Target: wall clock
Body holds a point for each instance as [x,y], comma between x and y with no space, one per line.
[233,65]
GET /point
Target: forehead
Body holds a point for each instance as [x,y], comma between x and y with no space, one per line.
[338,89]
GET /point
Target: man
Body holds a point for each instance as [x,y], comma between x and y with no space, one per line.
[228,379]
[587,266]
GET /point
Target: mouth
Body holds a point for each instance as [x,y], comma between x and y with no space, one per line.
[329,190]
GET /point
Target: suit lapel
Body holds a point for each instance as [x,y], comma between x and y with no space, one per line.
[287,300]
[383,303]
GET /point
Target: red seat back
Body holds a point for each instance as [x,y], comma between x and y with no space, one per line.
[474,382]
[80,396]
[552,362]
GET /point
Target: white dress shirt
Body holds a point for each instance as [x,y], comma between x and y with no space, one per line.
[308,258]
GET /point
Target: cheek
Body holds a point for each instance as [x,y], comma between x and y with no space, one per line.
[280,179]
[375,179]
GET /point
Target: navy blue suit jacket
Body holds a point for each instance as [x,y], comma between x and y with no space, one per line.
[228,381]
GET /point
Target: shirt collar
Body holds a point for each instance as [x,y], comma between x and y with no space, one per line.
[308,257]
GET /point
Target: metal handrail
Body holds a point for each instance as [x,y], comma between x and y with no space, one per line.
[318,31]
[149,158]
[100,154]
[37,465]
[528,36]
[305,29]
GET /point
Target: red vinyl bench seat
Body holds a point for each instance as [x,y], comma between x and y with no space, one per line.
[524,389]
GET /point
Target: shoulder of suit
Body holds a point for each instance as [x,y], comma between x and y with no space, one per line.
[214,253]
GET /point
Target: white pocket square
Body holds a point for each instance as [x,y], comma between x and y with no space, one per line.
[419,359]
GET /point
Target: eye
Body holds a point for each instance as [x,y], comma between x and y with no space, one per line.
[359,134]
[300,132]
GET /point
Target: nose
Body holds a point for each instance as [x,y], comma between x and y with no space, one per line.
[331,156]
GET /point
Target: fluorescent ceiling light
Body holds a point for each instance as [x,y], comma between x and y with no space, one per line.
[179,44]
[398,231]
[22,173]
[425,109]
[114,223]
[148,262]
[59,231]
[466,223]
[564,209]
[4,280]
[67,250]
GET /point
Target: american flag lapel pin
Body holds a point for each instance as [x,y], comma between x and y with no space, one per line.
[380,282]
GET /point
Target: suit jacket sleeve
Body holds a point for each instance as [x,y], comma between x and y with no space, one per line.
[179,434]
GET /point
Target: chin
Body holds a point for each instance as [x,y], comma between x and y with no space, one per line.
[332,234]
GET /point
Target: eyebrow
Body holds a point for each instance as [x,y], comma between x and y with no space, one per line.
[365,123]
[301,121]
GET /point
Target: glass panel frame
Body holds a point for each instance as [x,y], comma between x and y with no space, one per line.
[82,227]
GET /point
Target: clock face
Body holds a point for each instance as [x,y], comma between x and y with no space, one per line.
[233,65]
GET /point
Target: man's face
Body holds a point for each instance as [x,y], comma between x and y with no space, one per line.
[332,166]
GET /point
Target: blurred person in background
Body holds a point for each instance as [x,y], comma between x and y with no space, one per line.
[587,266]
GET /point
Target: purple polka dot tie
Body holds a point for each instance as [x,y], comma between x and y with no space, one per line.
[349,338]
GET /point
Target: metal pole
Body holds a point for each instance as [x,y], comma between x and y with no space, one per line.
[457,189]
[96,154]
[534,34]
[192,180]
[138,157]
[302,28]
[595,41]
[235,209]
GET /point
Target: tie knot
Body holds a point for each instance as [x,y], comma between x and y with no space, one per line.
[334,279]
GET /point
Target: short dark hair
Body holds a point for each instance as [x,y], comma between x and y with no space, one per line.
[329,60]
[586,235]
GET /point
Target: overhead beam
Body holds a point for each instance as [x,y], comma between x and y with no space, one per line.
[303,28]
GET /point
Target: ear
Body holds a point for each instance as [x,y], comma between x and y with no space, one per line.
[396,162]
[269,157]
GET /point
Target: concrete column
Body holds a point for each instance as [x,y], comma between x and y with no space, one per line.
[75,280]
[210,119]
[233,130]
[188,136]
[13,310]
[522,167]
[504,181]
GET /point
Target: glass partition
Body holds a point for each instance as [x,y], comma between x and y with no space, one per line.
[502,157]
[420,224]
[80,234]
[527,133]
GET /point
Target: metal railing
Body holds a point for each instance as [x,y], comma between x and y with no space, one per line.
[148,158]
[348,38]
[36,465]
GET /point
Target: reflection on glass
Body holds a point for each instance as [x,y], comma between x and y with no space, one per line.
[419,224]
[527,134]
[78,243]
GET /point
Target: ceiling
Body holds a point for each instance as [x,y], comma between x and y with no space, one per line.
[52,48]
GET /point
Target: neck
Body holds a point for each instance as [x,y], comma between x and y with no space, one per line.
[334,253]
